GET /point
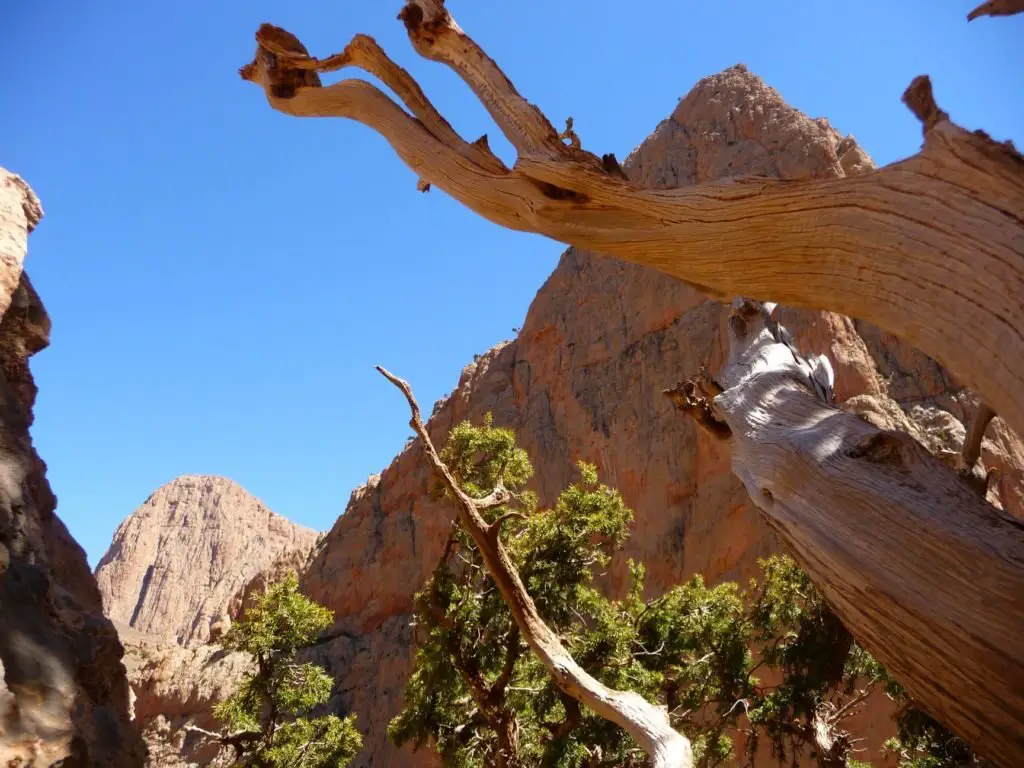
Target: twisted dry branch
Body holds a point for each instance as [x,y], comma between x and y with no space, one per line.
[930,248]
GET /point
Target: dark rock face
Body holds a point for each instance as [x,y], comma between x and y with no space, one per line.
[64,694]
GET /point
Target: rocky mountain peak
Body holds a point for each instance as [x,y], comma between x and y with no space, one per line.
[175,563]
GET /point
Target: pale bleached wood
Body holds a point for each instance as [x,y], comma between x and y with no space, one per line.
[646,723]
[925,574]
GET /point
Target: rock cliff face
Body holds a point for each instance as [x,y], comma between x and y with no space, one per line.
[289,561]
[175,689]
[583,380]
[177,562]
[63,691]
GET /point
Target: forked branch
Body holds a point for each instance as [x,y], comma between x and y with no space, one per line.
[645,722]
[930,248]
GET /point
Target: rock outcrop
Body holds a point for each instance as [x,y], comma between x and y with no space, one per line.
[176,563]
[63,691]
[175,690]
[583,380]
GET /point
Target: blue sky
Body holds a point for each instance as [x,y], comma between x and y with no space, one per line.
[222,278]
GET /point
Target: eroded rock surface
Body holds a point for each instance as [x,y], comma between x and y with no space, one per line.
[177,562]
[63,691]
[175,690]
[289,561]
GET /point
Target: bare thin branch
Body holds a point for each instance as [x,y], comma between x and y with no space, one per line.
[435,36]
[513,649]
[496,498]
[496,525]
[645,722]
[688,398]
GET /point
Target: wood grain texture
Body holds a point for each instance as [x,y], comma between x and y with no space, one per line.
[925,573]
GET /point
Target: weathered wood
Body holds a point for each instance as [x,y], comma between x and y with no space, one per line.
[930,248]
[646,723]
[924,573]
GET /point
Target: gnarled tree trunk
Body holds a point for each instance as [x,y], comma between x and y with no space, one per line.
[930,248]
[925,573]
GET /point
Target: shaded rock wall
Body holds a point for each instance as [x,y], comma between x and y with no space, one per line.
[64,694]
[175,688]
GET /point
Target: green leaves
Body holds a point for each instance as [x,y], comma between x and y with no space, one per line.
[317,743]
[272,701]
[301,687]
[921,742]
[698,639]
[281,621]
[479,456]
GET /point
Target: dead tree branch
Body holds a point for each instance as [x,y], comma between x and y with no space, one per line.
[930,248]
[239,740]
[645,722]
[978,478]
[924,573]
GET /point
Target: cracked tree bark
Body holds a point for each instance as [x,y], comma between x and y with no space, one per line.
[923,572]
[645,722]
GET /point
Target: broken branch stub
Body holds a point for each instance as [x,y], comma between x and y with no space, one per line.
[997,8]
[647,723]
[924,573]
[930,248]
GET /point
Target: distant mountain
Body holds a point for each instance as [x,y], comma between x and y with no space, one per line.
[177,562]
